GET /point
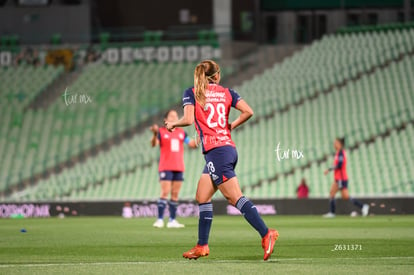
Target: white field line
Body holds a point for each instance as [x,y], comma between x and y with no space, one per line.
[186,261]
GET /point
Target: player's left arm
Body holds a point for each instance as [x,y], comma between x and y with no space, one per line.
[192,143]
[338,165]
[186,120]
[242,106]
[246,112]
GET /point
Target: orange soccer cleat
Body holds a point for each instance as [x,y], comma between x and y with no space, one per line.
[197,252]
[268,243]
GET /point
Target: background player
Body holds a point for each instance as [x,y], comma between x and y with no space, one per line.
[170,168]
[208,105]
[341,180]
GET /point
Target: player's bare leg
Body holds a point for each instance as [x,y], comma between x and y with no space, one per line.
[205,189]
[345,194]
[231,190]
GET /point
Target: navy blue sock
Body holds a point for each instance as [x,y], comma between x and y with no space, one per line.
[162,203]
[173,209]
[356,202]
[332,205]
[204,222]
[250,213]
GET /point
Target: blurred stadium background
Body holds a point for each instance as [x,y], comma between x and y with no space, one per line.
[81,81]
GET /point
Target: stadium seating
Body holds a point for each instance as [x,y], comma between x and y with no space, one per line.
[21,84]
[18,87]
[376,28]
[358,111]
[122,96]
[361,104]
[107,164]
[323,64]
[368,178]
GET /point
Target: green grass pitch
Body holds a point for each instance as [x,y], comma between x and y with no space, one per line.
[108,245]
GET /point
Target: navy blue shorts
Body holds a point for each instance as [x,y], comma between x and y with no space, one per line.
[220,163]
[342,184]
[171,175]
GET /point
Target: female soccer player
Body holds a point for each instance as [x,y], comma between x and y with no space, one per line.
[171,167]
[208,105]
[341,180]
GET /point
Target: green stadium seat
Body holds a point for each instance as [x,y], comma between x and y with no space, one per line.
[56,39]
[104,38]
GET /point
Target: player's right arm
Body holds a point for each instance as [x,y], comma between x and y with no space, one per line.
[154,140]
[188,106]
[186,120]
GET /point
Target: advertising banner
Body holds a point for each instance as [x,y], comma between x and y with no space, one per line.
[142,209]
[70,56]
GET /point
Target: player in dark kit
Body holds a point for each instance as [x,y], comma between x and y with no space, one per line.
[208,105]
[341,180]
[170,168]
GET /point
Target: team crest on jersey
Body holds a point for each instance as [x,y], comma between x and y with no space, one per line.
[166,136]
[181,136]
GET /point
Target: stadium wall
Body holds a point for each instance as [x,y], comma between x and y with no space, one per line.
[137,209]
[35,25]
[132,13]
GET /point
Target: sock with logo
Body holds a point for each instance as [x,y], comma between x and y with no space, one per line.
[173,209]
[204,222]
[162,203]
[250,213]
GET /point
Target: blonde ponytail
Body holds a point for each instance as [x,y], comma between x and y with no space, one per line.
[200,84]
[205,72]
